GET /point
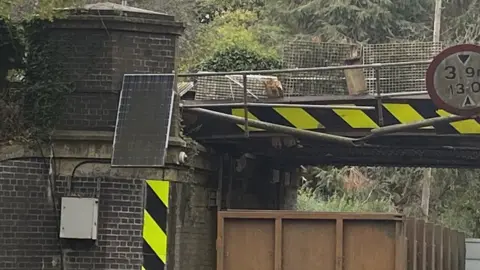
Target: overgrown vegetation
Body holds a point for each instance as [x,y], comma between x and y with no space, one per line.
[454,193]
[235,40]
[32,80]
[235,58]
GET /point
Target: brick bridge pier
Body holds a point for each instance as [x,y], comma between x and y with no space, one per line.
[101,44]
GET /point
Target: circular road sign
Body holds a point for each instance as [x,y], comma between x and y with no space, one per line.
[453,80]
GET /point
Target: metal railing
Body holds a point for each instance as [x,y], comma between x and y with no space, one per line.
[318,81]
[248,88]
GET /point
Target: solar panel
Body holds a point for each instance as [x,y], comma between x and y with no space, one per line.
[143,120]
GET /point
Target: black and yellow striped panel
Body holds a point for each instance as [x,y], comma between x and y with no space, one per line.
[155,225]
[345,120]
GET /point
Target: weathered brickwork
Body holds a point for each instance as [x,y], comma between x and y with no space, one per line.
[97,48]
[193,247]
[96,57]
[28,221]
[98,111]
[141,53]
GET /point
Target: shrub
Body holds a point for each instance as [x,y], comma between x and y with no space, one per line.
[236,58]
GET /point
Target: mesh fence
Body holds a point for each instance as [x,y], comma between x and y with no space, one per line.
[263,86]
[231,87]
[309,54]
[397,79]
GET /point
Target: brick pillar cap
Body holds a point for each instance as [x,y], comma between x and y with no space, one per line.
[118,17]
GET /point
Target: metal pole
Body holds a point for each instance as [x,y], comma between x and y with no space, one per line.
[379,96]
[301,70]
[437,21]
[377,132]
[231,170]
[220,183]
[280,105]
[403,94]
[245,104]
[278,128]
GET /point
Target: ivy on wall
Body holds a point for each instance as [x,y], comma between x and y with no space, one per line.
[31,106]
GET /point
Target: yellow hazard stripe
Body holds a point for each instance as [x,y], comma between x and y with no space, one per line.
[241,113]
[299,118]
[355,118]
[469,126]
[155,236]
[155,219]
[161,189]
[404,113]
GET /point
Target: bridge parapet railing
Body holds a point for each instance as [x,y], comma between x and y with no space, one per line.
[349,79]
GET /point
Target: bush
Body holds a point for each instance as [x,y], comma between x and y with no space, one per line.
[235,58]
[308,201]
[237,35]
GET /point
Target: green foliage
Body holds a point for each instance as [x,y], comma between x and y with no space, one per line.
[209,10]
[237,58]
[233,31]
[324,181]
[327,189]
[309,201]
[30,107]
[370,21]
[399,184]
[26,10]
[458,199]
[461,23]
[11,57]
[454,193]
[33,107]
[44,81]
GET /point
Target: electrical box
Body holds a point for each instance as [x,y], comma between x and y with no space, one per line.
[79,218]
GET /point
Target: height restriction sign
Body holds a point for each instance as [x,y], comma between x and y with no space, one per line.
[453,80]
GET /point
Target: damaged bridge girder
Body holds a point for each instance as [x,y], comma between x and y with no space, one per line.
[445,141]
[395,150]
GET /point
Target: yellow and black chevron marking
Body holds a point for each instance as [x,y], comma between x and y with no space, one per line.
[155,225]
[344,120]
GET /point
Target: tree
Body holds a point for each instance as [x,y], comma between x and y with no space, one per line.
[461,23]
[368,21]
[233,33]
[454,197]
[24,10]
[208,10]
[235,58]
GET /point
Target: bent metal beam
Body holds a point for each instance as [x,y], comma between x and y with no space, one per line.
[277,128]
[329,137]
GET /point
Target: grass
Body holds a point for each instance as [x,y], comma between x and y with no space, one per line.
[308,201]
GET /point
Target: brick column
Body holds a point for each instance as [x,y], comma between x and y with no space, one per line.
[99,45]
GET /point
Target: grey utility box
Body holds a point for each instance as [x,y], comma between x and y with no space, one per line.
[79,218]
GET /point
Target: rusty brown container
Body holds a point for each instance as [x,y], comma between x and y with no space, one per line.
[288,240]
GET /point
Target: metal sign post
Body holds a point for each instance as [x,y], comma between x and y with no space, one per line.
[453,80]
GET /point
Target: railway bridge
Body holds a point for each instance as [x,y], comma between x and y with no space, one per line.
[308,125]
